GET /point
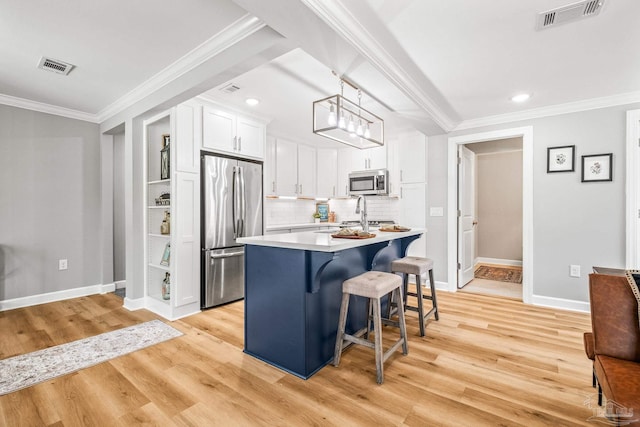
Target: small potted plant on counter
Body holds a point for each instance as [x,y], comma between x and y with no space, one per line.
[316,217]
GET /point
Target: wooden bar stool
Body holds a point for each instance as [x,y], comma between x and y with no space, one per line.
[417,266]
[373,285]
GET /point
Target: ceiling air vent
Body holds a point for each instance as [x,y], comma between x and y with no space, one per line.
[572,12]
[230,88]
[54,65]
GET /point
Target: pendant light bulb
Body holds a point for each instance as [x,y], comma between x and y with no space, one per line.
[351,127]
[359,130]
[332,116]
[367,132]
[341,123]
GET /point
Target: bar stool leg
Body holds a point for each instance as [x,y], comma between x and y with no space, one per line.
[405,288]
[344,308]
[377,329]
[403,327]
[420,304]
[433,295]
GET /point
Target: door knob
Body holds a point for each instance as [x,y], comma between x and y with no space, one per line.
[475,222]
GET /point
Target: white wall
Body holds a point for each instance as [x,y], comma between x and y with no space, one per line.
[49,203]
[573,222]
[119,252]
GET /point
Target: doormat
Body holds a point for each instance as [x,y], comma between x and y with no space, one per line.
[25,370]
[501,274]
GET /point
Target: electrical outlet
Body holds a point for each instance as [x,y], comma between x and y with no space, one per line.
[62,264]
[574,270]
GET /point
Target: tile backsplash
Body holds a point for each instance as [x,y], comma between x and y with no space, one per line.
[286,211]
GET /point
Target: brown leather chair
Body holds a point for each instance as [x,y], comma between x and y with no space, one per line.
[616,342]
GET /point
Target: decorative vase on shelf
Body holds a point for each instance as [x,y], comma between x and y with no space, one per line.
[166,286]
[165,226]
[316,220]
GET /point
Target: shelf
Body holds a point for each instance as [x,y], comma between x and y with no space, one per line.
[160,267]
[160,181]
[158,297]
[159,207]
[164,236]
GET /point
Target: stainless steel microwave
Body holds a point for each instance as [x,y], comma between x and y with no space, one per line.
[369,183]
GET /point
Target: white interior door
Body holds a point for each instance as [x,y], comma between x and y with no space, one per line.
[466,218]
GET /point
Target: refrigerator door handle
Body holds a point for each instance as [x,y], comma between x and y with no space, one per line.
[235,204]
[228,255]
[243,203]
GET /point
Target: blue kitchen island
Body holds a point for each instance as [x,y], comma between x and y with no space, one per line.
[293,290]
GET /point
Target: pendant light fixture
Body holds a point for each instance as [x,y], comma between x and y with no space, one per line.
[344,121]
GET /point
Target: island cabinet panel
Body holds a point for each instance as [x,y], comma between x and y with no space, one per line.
[293,296]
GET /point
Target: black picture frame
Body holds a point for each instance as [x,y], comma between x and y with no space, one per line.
[165,157]
[597,167]
[561,159]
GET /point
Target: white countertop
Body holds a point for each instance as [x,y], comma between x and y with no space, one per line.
[322,241]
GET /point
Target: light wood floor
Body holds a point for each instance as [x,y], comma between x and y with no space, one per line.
[487,362]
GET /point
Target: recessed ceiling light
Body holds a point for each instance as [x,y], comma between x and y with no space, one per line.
[252,101]
[521,97]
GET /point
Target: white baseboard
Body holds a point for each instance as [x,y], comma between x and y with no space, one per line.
[10,304]
[498,261]
[120,284]
[133,304]
[565,304]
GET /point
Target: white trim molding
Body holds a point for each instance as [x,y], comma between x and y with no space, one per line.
[41,107]
[565,304]
[633,190]
[10,304]
[499,261]
[134,304]
[527,202]
[552,110]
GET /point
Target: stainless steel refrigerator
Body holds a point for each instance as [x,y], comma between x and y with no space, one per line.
[231,208]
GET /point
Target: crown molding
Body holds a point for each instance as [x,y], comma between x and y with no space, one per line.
[552,110]
[232,34]
[341,20]
[28,104]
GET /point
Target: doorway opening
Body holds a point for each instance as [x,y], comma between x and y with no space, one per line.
[490,224]
[455,260]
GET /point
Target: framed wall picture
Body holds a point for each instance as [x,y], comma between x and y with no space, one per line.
[561,159]
[166,255]
[597,167]
[323,210]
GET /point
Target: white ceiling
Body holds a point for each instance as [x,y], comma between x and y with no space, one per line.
[434,64]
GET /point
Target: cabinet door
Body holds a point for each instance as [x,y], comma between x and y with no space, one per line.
[251,137]
[344,168]
[327,172]
[218,130]
[185,286]
[412,158]
[270,168]
[392,164]
[359,159]
[188,138]
[377,157]
[286,168]
[306,171]
[413,208]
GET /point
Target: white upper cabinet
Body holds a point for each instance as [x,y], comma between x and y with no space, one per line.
[269,169]
[306,171]
[232,133]
[344,168]
[370,158]
[327,172]
[251,137]
[286,168]
[411,152]
[295,169]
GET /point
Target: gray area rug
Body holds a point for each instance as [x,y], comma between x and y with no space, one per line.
[32,368]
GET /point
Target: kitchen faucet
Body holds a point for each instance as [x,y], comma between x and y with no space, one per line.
[363,213]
